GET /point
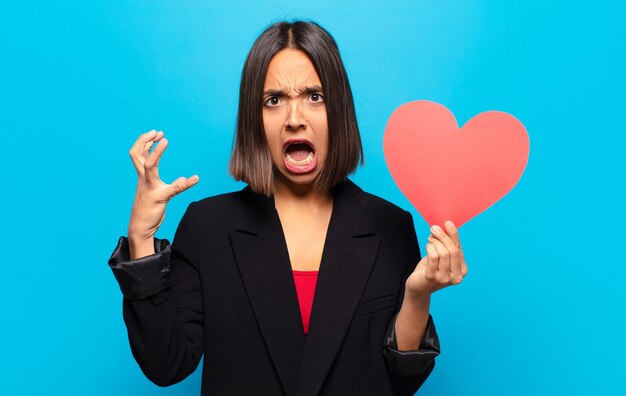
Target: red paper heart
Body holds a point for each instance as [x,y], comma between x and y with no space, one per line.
[449,173]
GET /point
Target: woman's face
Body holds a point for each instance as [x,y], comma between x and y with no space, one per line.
[294,118]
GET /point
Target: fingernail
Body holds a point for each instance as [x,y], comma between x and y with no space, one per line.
[435,229]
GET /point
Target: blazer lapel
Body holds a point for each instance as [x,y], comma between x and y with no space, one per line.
[349,254]
[261,254]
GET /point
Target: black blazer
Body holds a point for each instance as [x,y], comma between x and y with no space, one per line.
[225,290]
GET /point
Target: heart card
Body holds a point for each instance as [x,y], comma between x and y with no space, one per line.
[452,173]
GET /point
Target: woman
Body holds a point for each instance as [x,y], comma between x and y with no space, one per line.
[237,283]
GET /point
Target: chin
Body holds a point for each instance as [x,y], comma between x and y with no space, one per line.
[287,177]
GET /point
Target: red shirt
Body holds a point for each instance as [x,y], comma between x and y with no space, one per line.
[305,288]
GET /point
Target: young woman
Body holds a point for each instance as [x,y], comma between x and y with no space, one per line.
[301,283]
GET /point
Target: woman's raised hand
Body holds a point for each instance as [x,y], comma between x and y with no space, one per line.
[152,194]
[444,264]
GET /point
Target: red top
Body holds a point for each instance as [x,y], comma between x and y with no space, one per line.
[305,288]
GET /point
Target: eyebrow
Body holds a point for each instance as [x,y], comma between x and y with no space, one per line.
[282,92]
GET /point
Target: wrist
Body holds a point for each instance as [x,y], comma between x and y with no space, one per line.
[138,237]
[139,232]
[417,297]
[140,246]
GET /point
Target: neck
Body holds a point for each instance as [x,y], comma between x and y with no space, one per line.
[300,194]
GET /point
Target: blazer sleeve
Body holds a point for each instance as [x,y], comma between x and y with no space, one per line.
[409,369]
[162,305]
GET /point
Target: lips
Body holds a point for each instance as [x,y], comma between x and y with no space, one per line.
[299,156]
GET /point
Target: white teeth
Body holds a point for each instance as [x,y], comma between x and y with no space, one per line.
[304,162]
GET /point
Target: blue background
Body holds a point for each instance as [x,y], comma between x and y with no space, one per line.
[542,309]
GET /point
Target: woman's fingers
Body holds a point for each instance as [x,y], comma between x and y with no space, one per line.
[453,232]
[140,150]
[152,162]
[136,150]
[444,238]
[432,262]
[443,270]
[146,148]
[181,184]
[141,141]
[453,250]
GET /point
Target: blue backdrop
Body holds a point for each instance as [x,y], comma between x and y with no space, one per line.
[542,309]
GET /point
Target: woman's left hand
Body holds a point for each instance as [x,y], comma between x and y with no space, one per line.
[444,264]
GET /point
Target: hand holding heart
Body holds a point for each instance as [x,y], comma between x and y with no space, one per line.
[443,265]
[451,173]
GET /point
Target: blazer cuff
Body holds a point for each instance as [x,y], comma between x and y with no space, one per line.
[412,362]
[143,277]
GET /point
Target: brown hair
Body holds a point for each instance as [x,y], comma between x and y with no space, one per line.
[250,160]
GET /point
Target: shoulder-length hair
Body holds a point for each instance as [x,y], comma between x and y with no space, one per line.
[250,159]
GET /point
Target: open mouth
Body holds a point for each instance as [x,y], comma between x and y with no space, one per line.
[299,156]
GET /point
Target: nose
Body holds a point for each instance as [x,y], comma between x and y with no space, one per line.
[295,118]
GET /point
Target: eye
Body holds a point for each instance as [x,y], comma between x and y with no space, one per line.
[272,101]
[316,97]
